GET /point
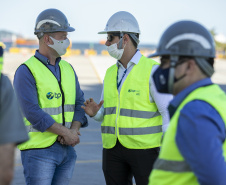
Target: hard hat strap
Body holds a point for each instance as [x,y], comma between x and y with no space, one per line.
[173,61]
[134,37]
[204,66]
[121,40]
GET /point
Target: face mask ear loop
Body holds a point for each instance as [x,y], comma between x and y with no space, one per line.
[173,60]
[120,41]
[51,40]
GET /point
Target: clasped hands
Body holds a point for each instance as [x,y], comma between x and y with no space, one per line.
[71,138]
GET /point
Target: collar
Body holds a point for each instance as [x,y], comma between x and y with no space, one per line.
[134,60]
[174,104]
[44,59]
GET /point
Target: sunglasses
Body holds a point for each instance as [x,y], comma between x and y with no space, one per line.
[111,37]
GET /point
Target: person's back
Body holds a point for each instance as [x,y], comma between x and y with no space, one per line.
[12,129]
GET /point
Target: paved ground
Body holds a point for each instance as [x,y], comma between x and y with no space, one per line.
[91,71]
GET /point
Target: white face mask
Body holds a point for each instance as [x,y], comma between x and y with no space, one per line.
[60,46]
[115,52]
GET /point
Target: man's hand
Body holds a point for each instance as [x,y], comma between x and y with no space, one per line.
[91,107]
[76,134]
[74,130]
[71,138]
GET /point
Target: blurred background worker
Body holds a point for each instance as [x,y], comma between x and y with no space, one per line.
[134,114]
[193,150]
[12,129]
[50,96]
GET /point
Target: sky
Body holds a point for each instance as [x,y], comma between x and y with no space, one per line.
[90,16]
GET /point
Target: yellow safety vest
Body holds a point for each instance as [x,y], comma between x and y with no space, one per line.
[171,167]
[131,116]
[56,99]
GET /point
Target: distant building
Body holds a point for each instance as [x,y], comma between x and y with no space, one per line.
[7,36]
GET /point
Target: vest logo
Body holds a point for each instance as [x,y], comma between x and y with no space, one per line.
[137,92]
[51,95]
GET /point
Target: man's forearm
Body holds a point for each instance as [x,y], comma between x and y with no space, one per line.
[76,125]
[58,129]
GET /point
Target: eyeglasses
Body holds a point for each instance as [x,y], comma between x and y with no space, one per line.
[182,60]
[165,60]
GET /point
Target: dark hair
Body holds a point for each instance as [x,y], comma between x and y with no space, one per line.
[134,43]
[210,61]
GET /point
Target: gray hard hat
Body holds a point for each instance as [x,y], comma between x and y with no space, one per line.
[52,20]
[188,38]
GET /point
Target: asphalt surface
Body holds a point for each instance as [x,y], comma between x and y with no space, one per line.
[90,71]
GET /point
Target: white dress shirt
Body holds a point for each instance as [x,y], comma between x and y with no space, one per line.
[161,100]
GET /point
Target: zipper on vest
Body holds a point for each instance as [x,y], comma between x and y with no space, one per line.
[62,92]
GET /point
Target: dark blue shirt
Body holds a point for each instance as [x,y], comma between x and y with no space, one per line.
[200,137]
[25,87]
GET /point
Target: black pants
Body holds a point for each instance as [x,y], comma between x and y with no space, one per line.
[120,164]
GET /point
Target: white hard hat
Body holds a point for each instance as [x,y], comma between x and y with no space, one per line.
[121,22]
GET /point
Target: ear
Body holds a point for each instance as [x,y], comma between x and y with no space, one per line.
[191,66]
[126,39]
[47,39]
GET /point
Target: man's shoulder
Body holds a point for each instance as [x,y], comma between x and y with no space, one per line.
[197,108]
[64,62]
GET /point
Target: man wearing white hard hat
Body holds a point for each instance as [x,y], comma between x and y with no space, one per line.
[133,113]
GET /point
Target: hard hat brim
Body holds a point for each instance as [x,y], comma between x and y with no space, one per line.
[154,55]
[70,29]
[102,32]
[105,32]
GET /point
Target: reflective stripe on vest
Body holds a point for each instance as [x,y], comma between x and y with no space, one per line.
[58,110]
[138,114]
[140,131]
[56,99]
[131,113]
[107,130]
[30,128]
[131,116]
[171,167]
[132,131]
[109,110]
